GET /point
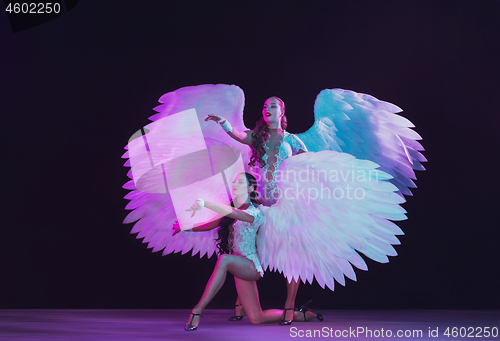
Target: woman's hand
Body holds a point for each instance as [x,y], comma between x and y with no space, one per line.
[176,227]
[197,206]
[215,118]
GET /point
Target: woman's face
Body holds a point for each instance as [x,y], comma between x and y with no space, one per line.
[272,110]
[240,186]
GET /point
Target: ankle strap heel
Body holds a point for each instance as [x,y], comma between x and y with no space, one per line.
[189,326]
[305,309]
[236,317]
[284,322]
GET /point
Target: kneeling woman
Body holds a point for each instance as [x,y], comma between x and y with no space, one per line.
[236,243]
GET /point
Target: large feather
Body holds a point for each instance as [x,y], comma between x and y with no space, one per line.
[332,207]
[151,204]
[368,128]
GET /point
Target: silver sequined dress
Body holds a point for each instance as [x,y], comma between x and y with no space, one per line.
[268,190]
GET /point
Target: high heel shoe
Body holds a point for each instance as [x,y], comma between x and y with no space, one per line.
[284,322]
[305,309]
[189,326]
[236,317]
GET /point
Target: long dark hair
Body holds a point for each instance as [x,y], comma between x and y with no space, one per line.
[222,242]
[261,136]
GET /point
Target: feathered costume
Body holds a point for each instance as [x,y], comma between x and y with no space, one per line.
[334,201]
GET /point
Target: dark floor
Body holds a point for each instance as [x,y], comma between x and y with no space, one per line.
[123,325]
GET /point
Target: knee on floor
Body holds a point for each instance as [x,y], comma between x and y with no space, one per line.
[255,319]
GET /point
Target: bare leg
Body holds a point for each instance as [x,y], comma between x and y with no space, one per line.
[245,276]
[291,293]
[238,308]
[239,266]
[238,311]
[249,297]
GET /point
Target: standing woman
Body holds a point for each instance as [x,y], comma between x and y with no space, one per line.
[271,144]
[238,228]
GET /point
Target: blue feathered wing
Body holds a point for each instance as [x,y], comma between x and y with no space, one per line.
[368,128]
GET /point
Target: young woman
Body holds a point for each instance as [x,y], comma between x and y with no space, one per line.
[271,144]
[238,228]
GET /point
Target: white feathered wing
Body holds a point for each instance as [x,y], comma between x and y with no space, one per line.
[154,212]
[332,206]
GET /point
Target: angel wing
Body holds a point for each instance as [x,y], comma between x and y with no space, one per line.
[368,128]
[332,206]
[180,151]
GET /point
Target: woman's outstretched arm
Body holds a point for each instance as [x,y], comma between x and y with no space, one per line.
[198,227]
[223,210]
[229,211]
[244,137]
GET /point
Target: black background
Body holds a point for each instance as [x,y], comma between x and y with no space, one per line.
[74,90]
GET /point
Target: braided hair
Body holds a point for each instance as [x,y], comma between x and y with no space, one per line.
[222,242]
[261,136]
